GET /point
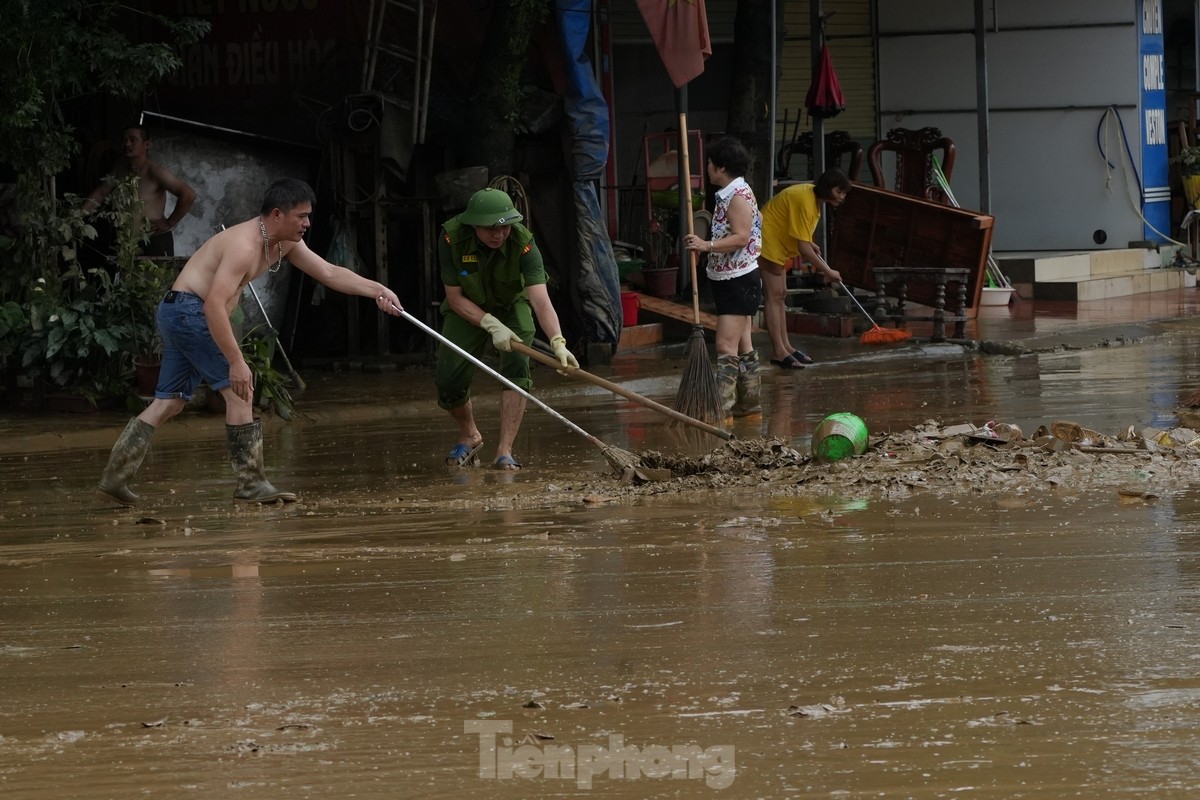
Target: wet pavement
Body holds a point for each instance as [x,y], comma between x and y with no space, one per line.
[409,631]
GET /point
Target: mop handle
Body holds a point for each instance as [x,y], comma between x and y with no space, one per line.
[498,376]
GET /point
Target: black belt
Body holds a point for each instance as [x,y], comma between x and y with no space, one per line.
[172,295]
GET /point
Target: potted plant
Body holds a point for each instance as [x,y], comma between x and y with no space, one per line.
[69,334]
[1188,162]
[145,285]
[272,389]
[662,268]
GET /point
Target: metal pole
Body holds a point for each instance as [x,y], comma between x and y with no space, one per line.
[981,109]
[300,384]
[817,40]
[773,102]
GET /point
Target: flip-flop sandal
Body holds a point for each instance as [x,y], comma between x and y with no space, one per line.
[507,463]
[802,357]
[463,454]
[787,362]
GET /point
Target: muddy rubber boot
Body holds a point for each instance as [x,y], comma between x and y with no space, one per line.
[124,461]
[728,369]
[749,386]
[246,456]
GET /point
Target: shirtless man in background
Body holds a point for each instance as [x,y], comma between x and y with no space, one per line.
[199,343]
[154,181]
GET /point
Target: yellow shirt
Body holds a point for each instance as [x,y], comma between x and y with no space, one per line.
[789,218]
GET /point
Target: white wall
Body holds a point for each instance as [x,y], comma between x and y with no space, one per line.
[229,180]
[1049,187]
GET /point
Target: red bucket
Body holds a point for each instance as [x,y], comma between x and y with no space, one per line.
[629,308]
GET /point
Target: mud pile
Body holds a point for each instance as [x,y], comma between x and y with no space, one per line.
[931,458]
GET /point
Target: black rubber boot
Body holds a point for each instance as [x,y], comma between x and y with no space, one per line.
[728,369]
[124,461]
[749,386]
[246,456]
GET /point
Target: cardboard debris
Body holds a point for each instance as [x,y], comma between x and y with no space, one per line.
[938,458]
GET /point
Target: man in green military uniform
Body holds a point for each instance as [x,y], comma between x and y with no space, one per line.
[495,284]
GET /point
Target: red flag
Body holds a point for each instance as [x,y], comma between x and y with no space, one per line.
[680,32]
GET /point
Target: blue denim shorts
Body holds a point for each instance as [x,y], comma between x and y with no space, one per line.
[190,354]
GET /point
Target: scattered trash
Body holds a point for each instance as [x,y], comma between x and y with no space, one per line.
[1135,494]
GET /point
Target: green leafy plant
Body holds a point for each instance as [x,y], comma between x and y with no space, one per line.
[71,327]
[271,387]
[73,336]
[1188,160]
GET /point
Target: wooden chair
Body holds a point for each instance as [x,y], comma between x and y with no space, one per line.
[838,146]
[914,151]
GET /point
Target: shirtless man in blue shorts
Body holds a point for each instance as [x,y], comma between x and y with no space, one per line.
[199,343]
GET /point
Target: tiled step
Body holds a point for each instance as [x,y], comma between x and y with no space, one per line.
[1104,287]
[1098,275]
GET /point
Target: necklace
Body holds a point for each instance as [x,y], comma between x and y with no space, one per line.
[262,226]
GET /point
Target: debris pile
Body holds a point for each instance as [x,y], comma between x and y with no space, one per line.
[994,458]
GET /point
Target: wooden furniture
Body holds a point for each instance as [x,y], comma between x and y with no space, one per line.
[838,148]
[938,277]
[910,236]
[914,151]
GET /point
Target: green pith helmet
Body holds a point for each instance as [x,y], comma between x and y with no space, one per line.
[488,208]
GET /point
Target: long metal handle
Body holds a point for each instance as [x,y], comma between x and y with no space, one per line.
[509,384]
[855,299]
[278,344]
[618,389]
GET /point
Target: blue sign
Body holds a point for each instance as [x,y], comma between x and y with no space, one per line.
[1156,189]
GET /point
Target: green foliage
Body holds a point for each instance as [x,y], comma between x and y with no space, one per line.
[58,50]
[526,16]
[73,335]
[1188,161]
[271,387]
[68,325]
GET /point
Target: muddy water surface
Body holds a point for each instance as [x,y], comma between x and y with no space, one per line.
[409,632]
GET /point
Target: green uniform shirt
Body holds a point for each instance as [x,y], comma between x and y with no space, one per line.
[492,279]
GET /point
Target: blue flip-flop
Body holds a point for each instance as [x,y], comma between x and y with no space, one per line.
[463,454]
[507,463]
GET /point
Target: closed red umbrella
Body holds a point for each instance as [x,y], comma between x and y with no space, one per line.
[825,98]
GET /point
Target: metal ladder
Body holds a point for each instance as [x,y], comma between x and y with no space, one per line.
[398,56]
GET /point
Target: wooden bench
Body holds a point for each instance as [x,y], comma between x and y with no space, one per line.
[898,279]
[879,233]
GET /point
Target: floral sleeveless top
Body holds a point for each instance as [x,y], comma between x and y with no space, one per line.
[723,266]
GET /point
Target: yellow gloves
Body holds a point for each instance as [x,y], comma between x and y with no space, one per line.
[501,336]
[559,345]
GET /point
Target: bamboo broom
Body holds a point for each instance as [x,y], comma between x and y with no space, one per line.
[698,396]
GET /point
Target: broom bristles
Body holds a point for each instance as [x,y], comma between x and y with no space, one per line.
[878,335]
[698,395]
[620,460]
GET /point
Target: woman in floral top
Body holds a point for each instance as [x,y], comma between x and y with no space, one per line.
[733,274]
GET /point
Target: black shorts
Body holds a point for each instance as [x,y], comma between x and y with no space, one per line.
[740,296]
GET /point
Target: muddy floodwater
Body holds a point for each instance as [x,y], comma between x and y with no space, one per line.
[408,631]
